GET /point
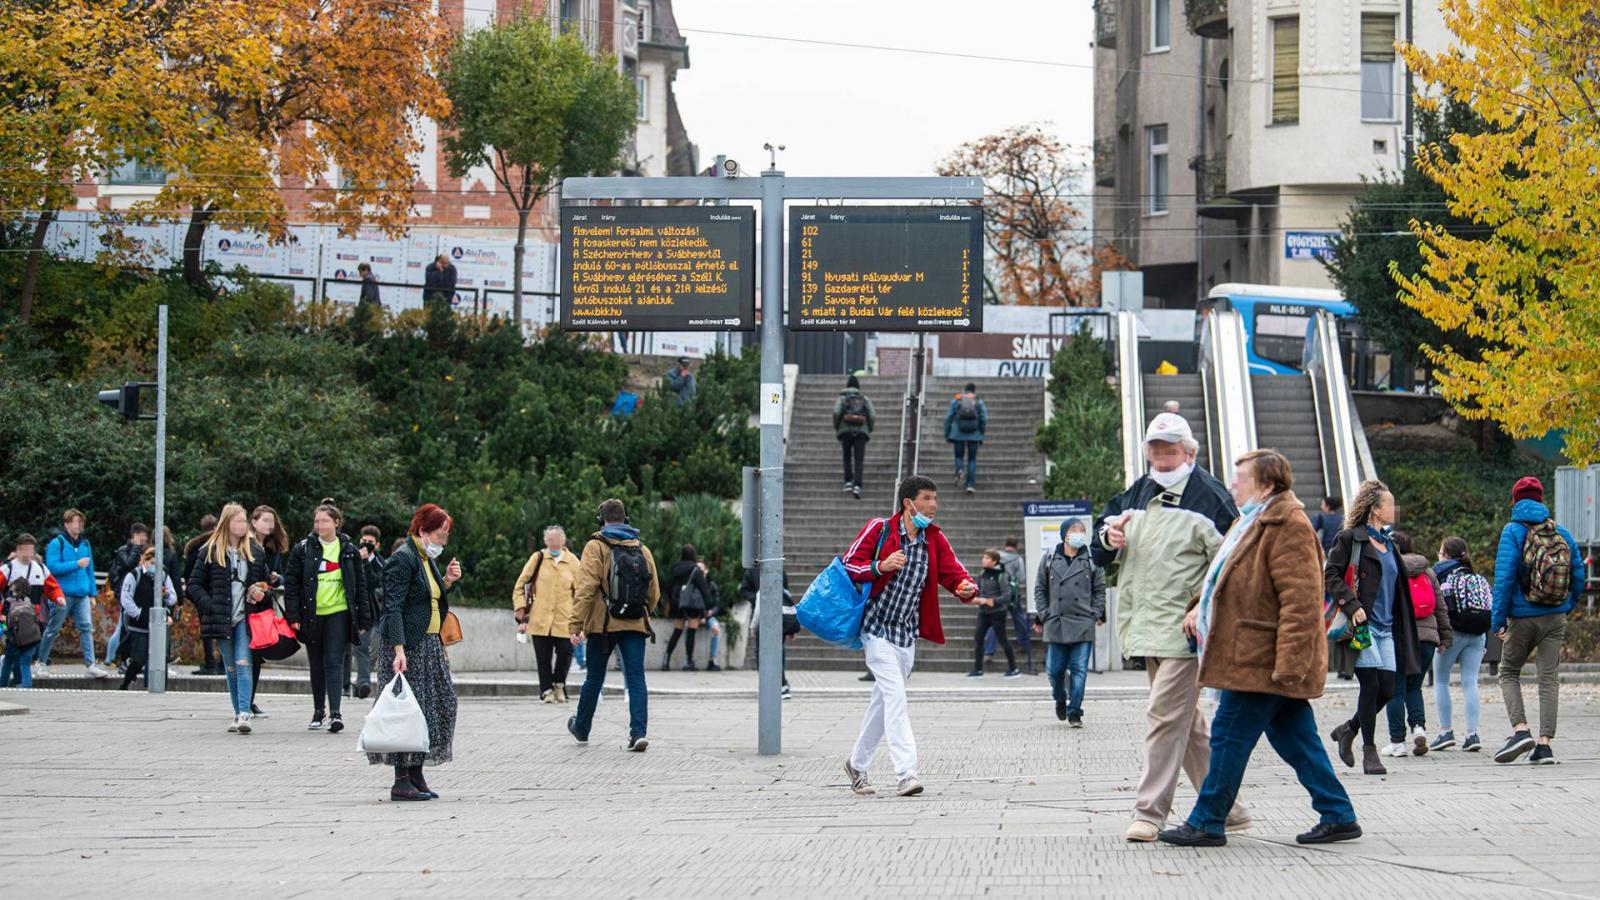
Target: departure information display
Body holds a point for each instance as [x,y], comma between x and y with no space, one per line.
[658,268]
[885,268]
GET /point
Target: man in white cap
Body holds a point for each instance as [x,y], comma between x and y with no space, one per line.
[1162,533]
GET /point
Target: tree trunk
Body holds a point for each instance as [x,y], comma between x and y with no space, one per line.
[516,267]
[193,240]
[30,270]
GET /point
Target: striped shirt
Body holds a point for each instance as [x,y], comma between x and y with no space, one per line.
[895,614]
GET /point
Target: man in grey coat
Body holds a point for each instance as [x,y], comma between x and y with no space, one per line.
[1069,599]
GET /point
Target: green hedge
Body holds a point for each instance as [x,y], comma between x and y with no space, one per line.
[269,405]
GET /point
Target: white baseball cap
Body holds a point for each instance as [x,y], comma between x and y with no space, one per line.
[1169,428]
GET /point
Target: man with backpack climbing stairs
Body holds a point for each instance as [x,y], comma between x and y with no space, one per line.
[964,425]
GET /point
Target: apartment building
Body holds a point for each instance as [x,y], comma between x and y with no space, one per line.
[1232,135]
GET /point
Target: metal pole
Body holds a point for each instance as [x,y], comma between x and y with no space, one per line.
[769,612]
[155,668]
[914,405]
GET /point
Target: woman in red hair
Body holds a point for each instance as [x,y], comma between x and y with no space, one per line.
[416,598]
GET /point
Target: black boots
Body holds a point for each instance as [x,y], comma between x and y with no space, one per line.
[1345,737]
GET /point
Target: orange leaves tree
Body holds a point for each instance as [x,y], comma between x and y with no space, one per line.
[1525,281]
[1037,239]
[80,90]
[315,96]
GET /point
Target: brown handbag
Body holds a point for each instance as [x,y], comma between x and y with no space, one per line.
[450,630]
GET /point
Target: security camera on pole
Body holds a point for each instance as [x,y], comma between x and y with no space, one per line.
[125,400]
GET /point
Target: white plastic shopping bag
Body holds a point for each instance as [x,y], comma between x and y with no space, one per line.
[395,723]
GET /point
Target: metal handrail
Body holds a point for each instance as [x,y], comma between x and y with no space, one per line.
[1222,349]
[1131,381]
[905,413]
[1324,362]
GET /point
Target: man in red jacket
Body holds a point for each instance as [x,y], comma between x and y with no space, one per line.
[906,558]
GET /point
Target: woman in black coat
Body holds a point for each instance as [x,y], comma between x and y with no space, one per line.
[690,597]
[1380,599]
[416,599]
[228,581]
[325,595]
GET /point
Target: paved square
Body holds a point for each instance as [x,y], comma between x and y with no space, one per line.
[149,797]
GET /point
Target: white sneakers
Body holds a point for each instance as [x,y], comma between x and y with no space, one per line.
[96,670]
[40,670]
[1419,740]
[241,724]
[1142,832]
[858,780]
[1394,750]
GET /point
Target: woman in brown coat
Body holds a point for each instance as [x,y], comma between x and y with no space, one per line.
[542,604]
[1258,628]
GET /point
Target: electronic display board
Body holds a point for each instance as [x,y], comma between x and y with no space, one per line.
[885,268]
[658,268]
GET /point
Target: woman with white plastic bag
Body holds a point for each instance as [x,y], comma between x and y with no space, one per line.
[396,723]
[415,603]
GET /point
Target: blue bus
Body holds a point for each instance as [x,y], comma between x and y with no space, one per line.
[1277,320]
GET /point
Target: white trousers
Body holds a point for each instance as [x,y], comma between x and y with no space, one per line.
[887,715]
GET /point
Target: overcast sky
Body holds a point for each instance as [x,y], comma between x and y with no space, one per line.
[847,111]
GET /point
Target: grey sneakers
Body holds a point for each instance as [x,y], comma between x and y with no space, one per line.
[858,780]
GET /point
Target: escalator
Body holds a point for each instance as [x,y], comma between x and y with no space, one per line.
[1286,421]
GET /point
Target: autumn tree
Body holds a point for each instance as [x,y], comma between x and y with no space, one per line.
[80,90]
[1036,237]
[315,96]
[1527,284]
[535,109]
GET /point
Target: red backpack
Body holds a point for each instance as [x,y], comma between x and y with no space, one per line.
[1423,598]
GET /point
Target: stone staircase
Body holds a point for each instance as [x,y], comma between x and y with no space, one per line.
[820,519]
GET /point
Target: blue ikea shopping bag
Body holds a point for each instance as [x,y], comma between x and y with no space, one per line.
[833,605]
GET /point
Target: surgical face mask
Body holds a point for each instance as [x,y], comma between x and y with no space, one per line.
[1077,540]
[920,520]
[433,550]
[555,554]
[1168,479]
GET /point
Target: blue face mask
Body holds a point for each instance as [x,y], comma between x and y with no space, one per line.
[1251,508]
[920,520]
[1077,540]
[555,554]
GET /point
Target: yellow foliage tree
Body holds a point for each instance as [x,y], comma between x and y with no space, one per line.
[1527,280]
[318,96]
[80,90]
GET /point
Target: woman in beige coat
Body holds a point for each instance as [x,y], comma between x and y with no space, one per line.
[542,600]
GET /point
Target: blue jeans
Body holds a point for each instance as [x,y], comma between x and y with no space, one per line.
[970,448]
[1406,708]
[235,652]
[630,647]
[18,664]
[1291,728]
[81,611]
[1060,659]
[114,643]
[1469,650]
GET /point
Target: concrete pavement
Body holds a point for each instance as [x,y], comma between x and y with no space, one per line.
[149,796]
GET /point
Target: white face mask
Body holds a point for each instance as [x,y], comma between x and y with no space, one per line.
[1176,476]
[433,550]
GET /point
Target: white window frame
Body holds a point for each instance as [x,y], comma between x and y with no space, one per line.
[641,86]
[1155,47]
[1150,153]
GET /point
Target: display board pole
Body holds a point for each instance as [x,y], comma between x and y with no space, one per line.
[769,612]
[155,667]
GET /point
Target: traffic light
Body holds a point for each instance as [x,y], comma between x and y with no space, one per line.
[125,400]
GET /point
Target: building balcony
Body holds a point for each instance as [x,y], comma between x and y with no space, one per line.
[1105,162]
[1207,18]
[1211,188]
[1105,24]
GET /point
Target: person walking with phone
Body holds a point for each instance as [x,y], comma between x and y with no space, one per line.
[416,598]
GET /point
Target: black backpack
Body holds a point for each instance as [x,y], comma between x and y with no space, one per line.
[627,593]
[854,411]
[22,621]
[967,414]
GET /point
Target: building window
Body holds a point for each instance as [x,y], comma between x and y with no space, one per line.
[647,21]
[1160,24]
[1377,67]
[1155,140]
[641,90]
[134,172]
[1286,70]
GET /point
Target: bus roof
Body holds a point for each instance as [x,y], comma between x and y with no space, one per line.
[1274,292]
